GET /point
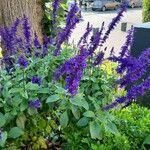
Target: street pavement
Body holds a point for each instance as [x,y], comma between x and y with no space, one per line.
[117,37]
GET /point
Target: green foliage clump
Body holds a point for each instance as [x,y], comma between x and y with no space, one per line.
[135,125]
[17,118]
[61,117]
[133,133]
[146,11]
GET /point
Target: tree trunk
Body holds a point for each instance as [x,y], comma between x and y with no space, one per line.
[33,9]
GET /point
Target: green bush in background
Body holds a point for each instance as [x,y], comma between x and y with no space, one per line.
[134,125]
[146,10]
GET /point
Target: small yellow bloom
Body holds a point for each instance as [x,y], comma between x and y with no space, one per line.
[0,52]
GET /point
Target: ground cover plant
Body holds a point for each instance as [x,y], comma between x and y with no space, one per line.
[54,95]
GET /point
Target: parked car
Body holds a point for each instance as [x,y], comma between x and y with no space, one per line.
[105,4]
[133,3]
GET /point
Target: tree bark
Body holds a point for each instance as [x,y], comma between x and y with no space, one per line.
[10,10]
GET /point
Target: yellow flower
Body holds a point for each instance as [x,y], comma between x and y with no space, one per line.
[0,52]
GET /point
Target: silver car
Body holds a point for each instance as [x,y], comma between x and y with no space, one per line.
[105,4]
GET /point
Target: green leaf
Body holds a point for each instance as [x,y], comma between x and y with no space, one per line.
[110,116]
[23,105]
[89,114]
[2,120]
[21,121]
[24,94]
[79,101]
[3,139]
[15,90]
[60,90]
[9,117]
[32,111]
[83,122]
[15,132]
[16,101]
[95,87]
[75,111]
[31,86]
[147,140]
[52,98]
[44,91]
[111,127]
[64,119]
[95,130]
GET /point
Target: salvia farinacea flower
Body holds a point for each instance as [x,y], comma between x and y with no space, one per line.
[55,6]
[72,71]
[71,21]
[83,39]
[95,40]
[26,29]
[114,22]
[36,41]
[36,80]
[132,94]
[34,104]
[23,62]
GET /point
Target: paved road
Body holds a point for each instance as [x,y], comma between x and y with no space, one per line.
[117,38]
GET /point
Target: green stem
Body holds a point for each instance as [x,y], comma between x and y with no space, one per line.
[24,81]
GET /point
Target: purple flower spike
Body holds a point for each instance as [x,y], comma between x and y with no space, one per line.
[23,62]
[129,41]
[26,29]
[112,105]
[114,22]
[27,33]
[36,41]
[7,38]
[71,21]
[36,80]
[95,40]
[72,69]
[99,58]
[133,93]
[8,61]
[146,84]
[135,67]
[35,104]
[83,39]
[55,6]
[14,27]
[47,42]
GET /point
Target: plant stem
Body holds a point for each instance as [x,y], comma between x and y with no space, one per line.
[24,81]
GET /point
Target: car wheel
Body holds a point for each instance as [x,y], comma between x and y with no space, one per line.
[133,5]
[103,8]
[94,9]
[116,7]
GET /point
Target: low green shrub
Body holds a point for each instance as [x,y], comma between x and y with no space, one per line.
[146,11]
[135,125]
